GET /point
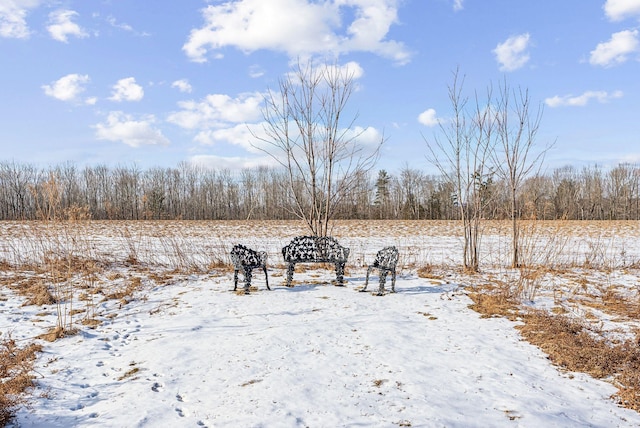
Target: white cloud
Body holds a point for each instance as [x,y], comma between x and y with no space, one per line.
[13,14]
[617,10]
[366,137]
[458,5]
[512,53]
[127,90]
[429,118]
[61,25]
[256,71]
[616,50]
[112,21]
[247,136]
[582,100]
[298,28]
[135,133]
[125,27]
[67,88]
[351,70]
[218,110]
[183,85]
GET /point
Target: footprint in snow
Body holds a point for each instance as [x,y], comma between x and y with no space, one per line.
[157,387]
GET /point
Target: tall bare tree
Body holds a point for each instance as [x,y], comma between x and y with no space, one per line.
[517,125]
[463,156]
[305,132]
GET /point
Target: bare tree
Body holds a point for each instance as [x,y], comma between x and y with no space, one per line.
[304,132]
[517,128]
[464,159]
[623,185]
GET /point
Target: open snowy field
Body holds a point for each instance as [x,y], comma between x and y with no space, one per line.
[162,341]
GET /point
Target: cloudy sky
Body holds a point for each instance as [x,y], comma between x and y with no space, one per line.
[155,83]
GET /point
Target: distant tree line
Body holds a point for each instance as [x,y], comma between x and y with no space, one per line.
[196,193]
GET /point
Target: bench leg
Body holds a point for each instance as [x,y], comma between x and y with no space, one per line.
[290,269]
[383,279]
[247,279]
[366,281]
[340,274]
[266,277]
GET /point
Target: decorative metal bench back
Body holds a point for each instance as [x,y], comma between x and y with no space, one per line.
[246,259]
[387,258]
[315,249]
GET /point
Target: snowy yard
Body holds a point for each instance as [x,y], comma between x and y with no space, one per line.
[183,350]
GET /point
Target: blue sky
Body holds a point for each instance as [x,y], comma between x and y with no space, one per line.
[155,83]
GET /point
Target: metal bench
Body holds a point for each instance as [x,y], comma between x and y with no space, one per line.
[386,261]
[247,260]
[315,249]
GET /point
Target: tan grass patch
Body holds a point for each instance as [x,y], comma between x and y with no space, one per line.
[131,372]
[36,292]
[16,366]
[251,382]
[91,322]
[241,292]
[219,265]
[161,278]
[125,293]
[112,276]
[52,335]
[492,301]
[577,346]
[611,302]
[428,315]
[379,382]
[428,272]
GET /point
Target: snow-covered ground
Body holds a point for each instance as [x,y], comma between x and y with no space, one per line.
[189,352]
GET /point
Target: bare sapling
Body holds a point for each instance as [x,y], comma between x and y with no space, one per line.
[304,132]
[463,155]
[517,127]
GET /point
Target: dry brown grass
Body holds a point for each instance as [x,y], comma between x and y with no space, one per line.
[35,290]
[125,292]
[574,343]
[491,300]
[16,378]
[428,271]
[613,301]
[577,346]
[55,333]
